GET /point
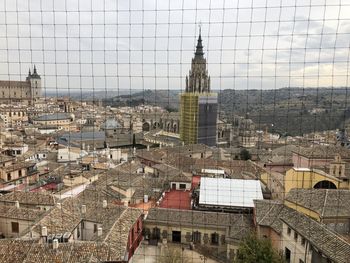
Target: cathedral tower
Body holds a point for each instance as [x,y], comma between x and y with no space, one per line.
[199,105]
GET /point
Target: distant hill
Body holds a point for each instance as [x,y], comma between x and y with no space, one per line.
[90,94]
[168,99]
[293,111]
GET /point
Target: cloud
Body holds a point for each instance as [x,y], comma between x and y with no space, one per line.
[115,44]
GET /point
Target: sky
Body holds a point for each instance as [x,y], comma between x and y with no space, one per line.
[80,45]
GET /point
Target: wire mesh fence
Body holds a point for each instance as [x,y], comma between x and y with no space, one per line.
[174,131]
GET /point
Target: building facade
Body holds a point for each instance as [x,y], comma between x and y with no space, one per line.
[27,91]
[198,109]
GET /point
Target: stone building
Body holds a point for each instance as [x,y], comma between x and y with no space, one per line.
[27,91]
[215,233]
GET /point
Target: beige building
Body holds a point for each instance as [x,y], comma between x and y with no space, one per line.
[299,238]
[17,173]
[215,233]
[27,91]
[13,116]
[62,121]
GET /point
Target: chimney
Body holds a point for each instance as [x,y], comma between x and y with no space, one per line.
[104,204]
[160,146]
[44,231]
[147,148]
[55,244]
[126,203]
[59,206]
[83,209]
[99,231]
[17,204]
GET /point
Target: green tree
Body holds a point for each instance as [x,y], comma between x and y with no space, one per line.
[255,250]
[245,154]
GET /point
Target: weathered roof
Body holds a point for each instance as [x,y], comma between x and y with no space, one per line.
[21,213]
[182,177]
[166,169]
[117,238]
[323,151]
[325,202]
[29,251]
[60,220]
[267,213]
[53,117]
[14,83]
[326,241]
[29,198]
[5,158]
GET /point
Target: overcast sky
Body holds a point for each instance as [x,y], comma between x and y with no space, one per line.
[96,44]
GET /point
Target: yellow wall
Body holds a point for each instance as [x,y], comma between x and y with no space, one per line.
[306,179]
[303,210]
[189,118]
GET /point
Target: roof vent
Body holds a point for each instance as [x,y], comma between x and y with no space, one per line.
[17,204]
[99,231]
[83,209]
[55,244]
[104,204]
[59,205]
[44,231]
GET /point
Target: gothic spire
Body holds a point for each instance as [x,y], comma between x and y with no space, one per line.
[35,74]
[199,48]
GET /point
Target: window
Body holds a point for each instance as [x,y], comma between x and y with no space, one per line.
[20,173]
[295,236]
[196,237]
[15,227]
[303,241]
[9,177]
[215,239]
[95,228]
[289,231]
[301,261]
[182,186]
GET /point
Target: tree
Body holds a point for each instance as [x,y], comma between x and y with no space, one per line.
[255,250]
[172,255]
[245,154]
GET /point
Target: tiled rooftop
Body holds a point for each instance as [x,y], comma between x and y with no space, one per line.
[29,198]
[21,213]
[325,202]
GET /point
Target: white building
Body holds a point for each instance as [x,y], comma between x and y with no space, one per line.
[230,193]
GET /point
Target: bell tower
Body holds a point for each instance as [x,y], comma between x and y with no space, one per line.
[35,84]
